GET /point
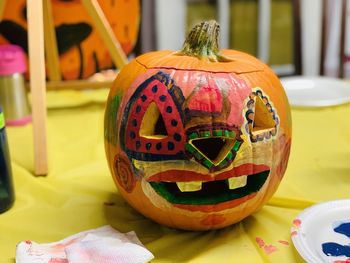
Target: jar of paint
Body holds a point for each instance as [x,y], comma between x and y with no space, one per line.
[7,195]
[13,95]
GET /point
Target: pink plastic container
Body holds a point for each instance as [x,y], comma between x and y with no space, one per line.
[13,96]
[12,60]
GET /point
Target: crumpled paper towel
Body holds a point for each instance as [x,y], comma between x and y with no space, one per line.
[102,245]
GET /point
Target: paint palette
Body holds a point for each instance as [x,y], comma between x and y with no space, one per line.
[321,233]
[316,91]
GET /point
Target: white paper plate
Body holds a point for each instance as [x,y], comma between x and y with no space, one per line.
[316,91]
[314,228]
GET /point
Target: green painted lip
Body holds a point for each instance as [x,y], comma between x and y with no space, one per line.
[213,192]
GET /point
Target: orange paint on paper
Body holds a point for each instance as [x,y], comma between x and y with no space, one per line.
[58,260]
[342,261]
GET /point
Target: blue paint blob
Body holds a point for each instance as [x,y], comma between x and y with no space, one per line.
[343,229]
[162,98]
[148,146]
[138,144]
[174,123]
[154,89]
[143,98]
[177,137]
[132,135]
[159,146]
[171,146]
[169,109]
[134,122]
[335,249]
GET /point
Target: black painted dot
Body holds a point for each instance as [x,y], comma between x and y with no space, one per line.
[132,135]
[169,109]
[162,98]
[138,108]
[134,122]
[143,97]
[138,144]
[154,89]
[148,146]
[177,137]
[159,146]
[174,122]
[171,146]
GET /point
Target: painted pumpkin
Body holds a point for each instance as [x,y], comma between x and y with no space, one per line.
[197,139]
[82,51]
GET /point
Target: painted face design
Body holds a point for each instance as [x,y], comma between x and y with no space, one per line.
[181,136]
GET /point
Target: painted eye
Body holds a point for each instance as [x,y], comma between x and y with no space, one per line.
[261,117]
[152,127]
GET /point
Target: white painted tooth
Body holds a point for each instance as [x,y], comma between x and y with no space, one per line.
[237,182]
[189,186]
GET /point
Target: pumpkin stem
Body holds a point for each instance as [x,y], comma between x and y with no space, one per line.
[203,42]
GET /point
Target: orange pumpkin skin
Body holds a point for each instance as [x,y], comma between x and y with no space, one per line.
[201,103]
[87,54]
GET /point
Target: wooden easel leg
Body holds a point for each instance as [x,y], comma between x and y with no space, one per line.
[104,28]
[2,8]
[37,83]
[52,57]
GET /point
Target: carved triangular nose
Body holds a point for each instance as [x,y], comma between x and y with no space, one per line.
[214,149]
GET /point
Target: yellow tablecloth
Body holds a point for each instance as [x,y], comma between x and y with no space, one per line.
[79,193]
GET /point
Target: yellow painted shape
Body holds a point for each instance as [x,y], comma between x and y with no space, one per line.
[189,186]
[237,182]
[149,122]
[262,117]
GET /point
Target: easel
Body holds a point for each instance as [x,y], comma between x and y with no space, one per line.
[39,12]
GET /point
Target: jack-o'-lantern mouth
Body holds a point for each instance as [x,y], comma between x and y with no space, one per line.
[209,191]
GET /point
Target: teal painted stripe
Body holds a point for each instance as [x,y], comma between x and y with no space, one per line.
[193,136]
[223,163]
[217,133]
[207,163]
[236,146]
[198,155]
[205,134]
[229,156]
[190,148]
[232,134]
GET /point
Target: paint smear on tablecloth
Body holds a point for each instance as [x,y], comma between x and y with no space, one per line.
[269,249]
[283,242]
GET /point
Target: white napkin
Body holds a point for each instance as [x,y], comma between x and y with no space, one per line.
[102,245]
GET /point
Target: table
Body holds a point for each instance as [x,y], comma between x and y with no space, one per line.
[79,193]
